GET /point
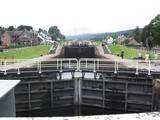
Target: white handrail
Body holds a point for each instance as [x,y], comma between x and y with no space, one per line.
[149,67]
[55,64]
[137,67]
[92,64]
[115,67]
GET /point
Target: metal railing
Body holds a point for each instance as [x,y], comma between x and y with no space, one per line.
[137,66]
[24,65]
[84,64]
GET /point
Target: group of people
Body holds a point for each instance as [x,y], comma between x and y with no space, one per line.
[147,57]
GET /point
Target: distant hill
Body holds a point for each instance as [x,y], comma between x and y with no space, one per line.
[97,36]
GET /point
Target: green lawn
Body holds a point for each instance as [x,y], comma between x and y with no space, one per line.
[26,53]
[98,42]
[129,52]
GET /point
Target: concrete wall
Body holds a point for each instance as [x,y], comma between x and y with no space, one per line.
[156,92]
[7,105]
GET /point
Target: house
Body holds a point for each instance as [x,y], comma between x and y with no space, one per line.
[108,40]
[25,36]
[44,37]
[5,39]
[127,40]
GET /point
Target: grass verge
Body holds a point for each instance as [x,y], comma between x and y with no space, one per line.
[26,53]
[129,52]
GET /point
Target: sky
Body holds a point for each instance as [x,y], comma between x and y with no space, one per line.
[79,16]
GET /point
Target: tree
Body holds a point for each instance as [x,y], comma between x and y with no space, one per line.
[137,34]
[152,30]
[10,28]
[55,33]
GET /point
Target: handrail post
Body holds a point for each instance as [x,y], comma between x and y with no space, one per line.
[5,67]
[98,64]
[79,65]
[94,69]
[57,64]
[61,66]
[18,69]
[115,67]
[149,67]
[86,64]
[137,67]
[69,63]
[40,67]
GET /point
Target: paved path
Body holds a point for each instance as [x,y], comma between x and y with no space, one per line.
[127,62]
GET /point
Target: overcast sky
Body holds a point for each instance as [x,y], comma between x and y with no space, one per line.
[79,16]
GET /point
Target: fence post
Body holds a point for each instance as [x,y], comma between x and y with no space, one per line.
[86,63]
[5,67]
[79,65]
[57,64]
[98,64]
[18,69]
[149,67]
[115,67]
[61,66]
[40,70]
[94,69]
[137,67]
[69,63]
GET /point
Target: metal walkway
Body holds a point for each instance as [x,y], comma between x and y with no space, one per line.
[9,66]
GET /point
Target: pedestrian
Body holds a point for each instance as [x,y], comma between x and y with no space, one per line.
[140,55]
[122,54]
[155,59]
[147,58]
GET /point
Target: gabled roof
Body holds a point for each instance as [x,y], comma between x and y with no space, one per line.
[24,27]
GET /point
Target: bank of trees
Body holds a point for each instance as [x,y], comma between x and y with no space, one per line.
[55,33]
[150,32]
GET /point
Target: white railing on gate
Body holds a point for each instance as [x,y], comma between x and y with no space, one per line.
[58,64]
[90,64]
[95,64]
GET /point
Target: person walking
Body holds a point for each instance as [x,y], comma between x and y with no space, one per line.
[122,54]
[155,59]
[147,58]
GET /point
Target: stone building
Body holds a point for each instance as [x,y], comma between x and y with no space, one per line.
[5,40]
[25,36]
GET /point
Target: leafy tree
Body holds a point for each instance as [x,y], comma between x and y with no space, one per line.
[55,33]
[137,34]
[152,31]
[10,28]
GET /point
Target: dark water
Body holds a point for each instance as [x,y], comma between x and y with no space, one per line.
[69,111]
